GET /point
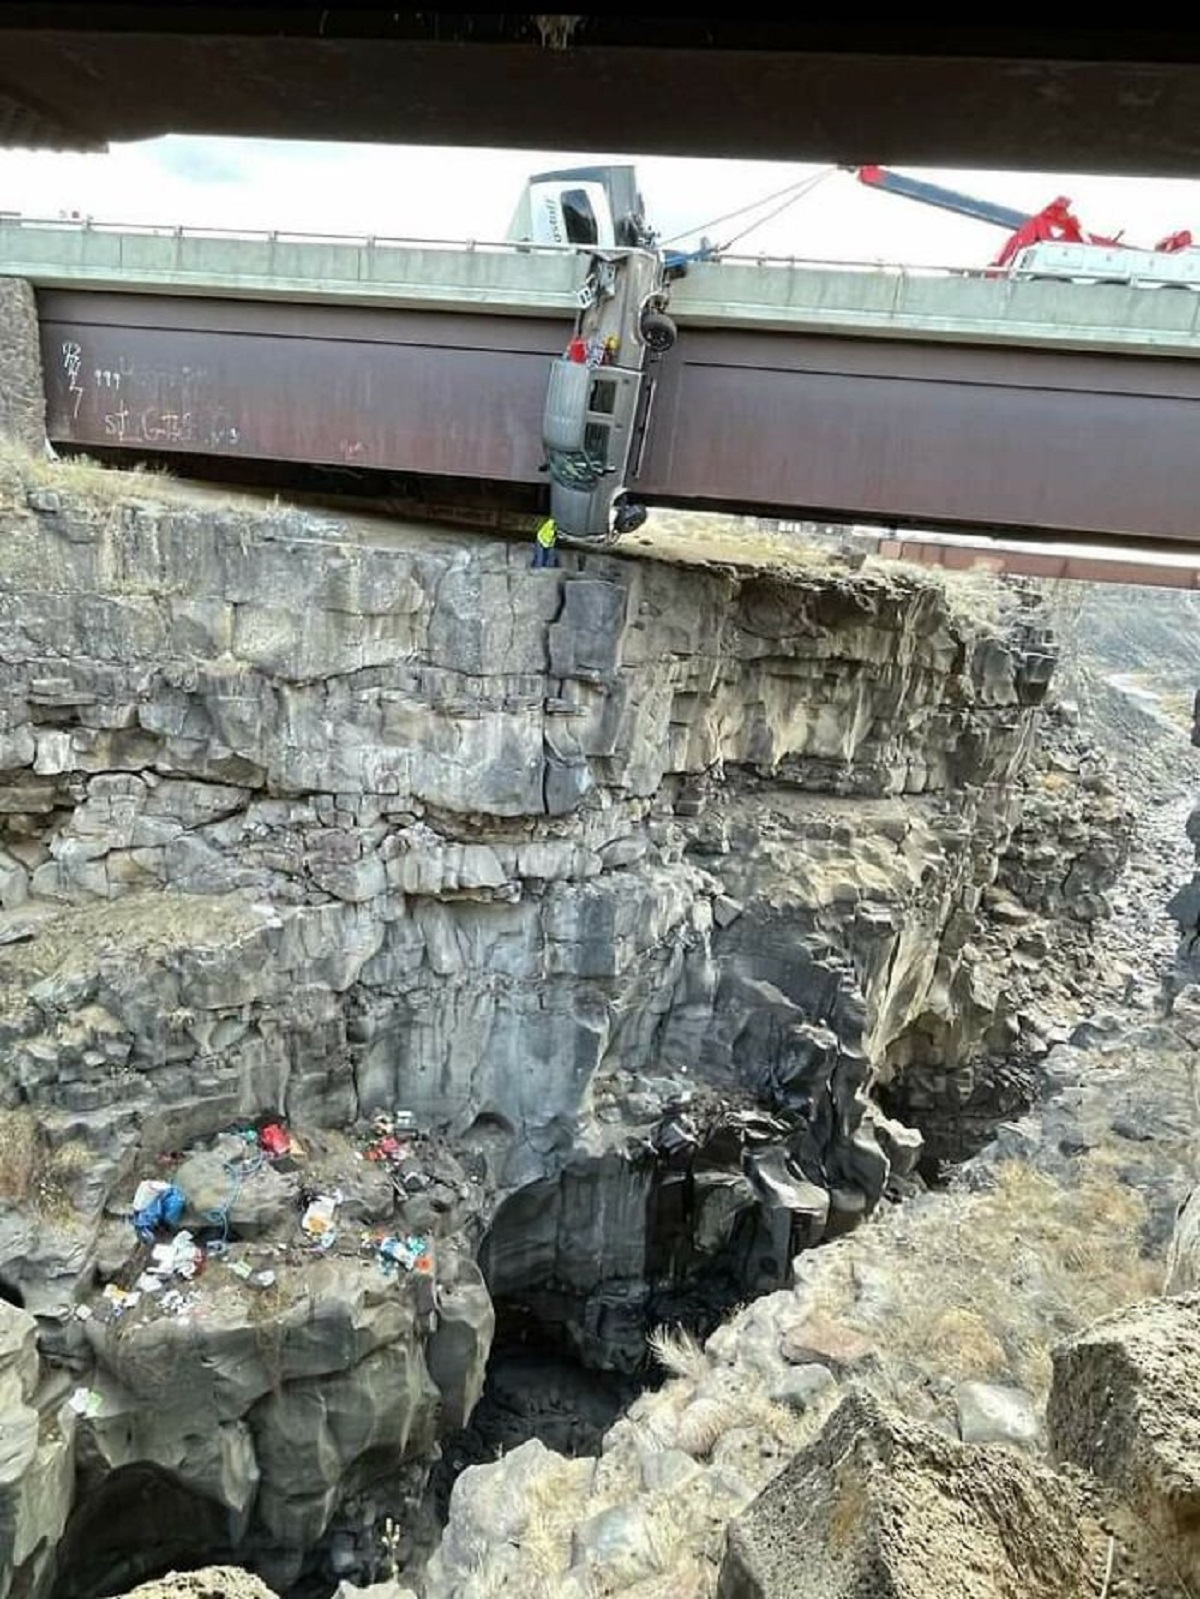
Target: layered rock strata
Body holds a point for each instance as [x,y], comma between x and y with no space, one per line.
[581,868]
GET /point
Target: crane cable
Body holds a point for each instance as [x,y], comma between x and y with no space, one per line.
[789,195]
[780,209]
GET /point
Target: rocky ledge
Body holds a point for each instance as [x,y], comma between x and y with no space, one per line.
[625,885]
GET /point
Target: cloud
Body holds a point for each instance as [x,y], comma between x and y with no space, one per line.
[199,160]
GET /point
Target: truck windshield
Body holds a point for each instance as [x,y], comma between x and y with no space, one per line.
[579,217]
[575,469]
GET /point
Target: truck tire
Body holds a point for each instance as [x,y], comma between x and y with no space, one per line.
[658,331]
[628,516]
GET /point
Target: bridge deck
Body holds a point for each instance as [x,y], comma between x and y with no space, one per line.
[744,293]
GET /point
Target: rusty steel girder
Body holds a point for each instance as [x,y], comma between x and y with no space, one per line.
[1048,443]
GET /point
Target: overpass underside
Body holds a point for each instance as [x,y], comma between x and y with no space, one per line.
[1076,99]
[1036,442]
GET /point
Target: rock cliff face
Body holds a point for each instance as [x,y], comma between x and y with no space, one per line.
[584,869]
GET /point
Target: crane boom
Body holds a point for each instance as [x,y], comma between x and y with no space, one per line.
[1001,216]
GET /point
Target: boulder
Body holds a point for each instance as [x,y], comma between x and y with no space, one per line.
[36,1462]
[616,1546]
[880,1508]
[490,1510]
[1183,1260]
[804,1386]
[210,1582]
[239,1183]
[820,1340]
[1125,1404]
[377,1590]
[991,1414]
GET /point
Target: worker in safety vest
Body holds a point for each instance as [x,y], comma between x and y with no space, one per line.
[545,552]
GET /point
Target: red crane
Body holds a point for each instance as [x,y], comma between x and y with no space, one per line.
[1055,223]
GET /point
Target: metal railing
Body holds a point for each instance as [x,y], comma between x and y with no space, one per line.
[370,242]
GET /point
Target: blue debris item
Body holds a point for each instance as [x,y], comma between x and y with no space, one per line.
[165,1209]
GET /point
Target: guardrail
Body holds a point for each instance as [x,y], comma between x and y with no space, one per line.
[385,242]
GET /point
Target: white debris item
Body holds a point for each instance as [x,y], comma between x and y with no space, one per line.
[86,1402]
[148,1189]
[318,1219]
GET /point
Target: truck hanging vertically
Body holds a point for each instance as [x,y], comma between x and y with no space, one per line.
[600,395]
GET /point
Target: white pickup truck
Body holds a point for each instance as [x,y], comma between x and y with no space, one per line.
[600,395]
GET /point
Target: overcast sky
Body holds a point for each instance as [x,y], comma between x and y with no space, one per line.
[412,192]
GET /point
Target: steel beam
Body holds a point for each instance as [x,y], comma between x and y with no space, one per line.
[1058,444]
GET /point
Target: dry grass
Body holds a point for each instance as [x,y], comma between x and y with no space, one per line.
[18,1154]
[33,1173]
[79,475]
[692,537]
[555,1503]
[977,1352]
[1058,782]
[994,1279]
[704,1423]
[678,1353]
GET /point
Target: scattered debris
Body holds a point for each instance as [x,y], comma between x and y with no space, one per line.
[182,1257]
[86,1402]
[156,1204]
[388,1133]
[318,1219]
[276,1142]
[414,1253]
[120,1299]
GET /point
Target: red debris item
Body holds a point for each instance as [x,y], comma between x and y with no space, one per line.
[275,1140]
[577,351]
[423,1263]
[388,1148]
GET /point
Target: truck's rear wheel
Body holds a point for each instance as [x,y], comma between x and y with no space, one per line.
[658,331]
[628,516]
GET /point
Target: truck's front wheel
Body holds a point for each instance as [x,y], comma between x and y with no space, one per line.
[658,331]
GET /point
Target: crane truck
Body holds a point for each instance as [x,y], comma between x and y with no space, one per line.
[1052,242]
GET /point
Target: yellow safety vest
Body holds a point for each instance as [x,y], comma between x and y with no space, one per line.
[546,533]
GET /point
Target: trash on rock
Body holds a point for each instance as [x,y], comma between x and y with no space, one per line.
[182,1257]
[387,1148]
[277,1143]
[86,1402]
[156,1204]
[388,1133]
[414,1253]
[120,1299]
[318,1219]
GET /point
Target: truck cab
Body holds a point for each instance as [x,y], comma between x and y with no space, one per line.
[582,206]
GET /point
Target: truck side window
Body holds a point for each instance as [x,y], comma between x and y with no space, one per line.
[603,397]
[579,217]
[595,443]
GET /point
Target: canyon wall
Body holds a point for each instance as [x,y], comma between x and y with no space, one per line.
[626,881]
